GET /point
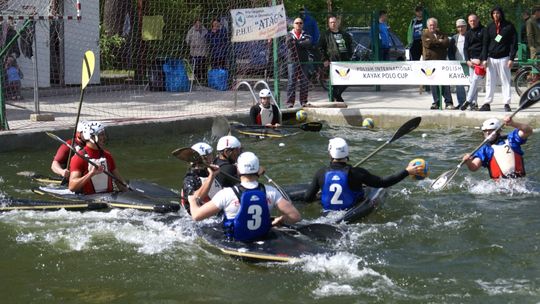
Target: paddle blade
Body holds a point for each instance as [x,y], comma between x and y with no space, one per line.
[220,127]
[406,128]
[311,126]
[88,64]
[530,96]
[188,155]
[443,179]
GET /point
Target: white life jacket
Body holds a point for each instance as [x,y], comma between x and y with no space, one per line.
[267,115]
[214,187]
[100,181]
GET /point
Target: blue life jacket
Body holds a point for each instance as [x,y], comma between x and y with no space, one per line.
[336,194]
[253,218]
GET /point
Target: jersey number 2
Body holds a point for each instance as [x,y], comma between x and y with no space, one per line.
[255,222]
[336,188]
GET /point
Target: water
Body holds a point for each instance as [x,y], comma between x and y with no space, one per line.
[474,242]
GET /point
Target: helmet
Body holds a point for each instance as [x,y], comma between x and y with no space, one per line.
[80,125]
[265,93]
[202,148]
[248,163]
[338,148]
[228,142]
[92,129]
[491,124]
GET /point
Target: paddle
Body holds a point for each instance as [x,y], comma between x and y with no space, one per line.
[404,129]
[88,64]
[55,137]
[529,97]
[220,127]
[308,126]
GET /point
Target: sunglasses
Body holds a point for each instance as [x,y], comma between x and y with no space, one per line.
[298,23]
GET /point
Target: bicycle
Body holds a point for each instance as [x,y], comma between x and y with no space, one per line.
[527,74]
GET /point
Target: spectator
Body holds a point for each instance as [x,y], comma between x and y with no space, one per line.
[435,47]
[474,39]
[298,46]
[310,26]
[218,45]
[384,37]
[533,33]
[13,79]
[525,16]
[456,52]
[414,34]
[335,45]
[197,50]
[500,47]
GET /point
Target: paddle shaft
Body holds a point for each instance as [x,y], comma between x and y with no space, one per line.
[88,160]
[90,70]
[404,129]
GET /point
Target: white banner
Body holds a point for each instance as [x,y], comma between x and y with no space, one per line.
[260,23]
[431,72]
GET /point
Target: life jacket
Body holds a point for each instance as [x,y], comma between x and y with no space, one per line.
[505,163]
[99,182]
[265,116]
[253,218]
[336,194]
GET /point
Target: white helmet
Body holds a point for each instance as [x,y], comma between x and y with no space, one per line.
[80,125]
[92,129]
[338,148]
[491,124]
[265,93]
[202,148]
[247,163]
[228,142]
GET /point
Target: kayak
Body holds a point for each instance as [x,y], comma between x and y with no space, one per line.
[373,200]
[262,132]
[125,200]
[279,245]
[9,204]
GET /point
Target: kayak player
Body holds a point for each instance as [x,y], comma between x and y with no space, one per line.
[265,113]
[246,205]
[502,154]
[60,160]
[228,148]
[196,176]
[342,184]
[87,179]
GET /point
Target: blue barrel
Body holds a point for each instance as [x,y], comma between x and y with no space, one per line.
[218,78]
[176,78]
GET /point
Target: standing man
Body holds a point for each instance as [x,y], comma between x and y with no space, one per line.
[218,43]
[456,52]
[336,45]
[502,155]
[265,113]
[533,32]
[500,47]
[298,46]
[435,47]
[474,43]
[414,34]
[384,36]
[196,39]
[87,179]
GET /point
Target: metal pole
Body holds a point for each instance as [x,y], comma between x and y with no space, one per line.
[276,67]
[36,80]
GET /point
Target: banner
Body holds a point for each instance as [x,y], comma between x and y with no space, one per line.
[260,23]
[431,72]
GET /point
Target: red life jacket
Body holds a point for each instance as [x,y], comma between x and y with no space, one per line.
[505,163]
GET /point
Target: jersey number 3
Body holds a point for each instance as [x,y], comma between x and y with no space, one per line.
[255,222]
[336,188]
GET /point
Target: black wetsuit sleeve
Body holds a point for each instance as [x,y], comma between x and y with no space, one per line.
[360,176]
[253,112]
[223,179]
[314,186]
[191,184]
[275,114]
